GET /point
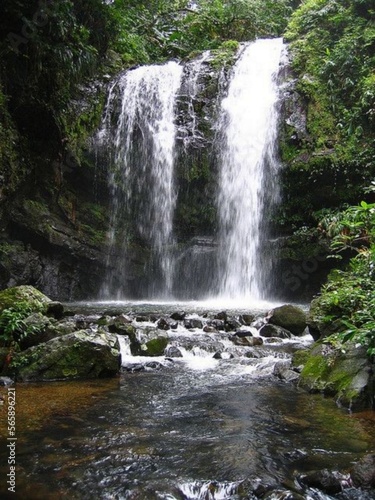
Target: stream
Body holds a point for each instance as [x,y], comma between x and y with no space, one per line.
[189,427]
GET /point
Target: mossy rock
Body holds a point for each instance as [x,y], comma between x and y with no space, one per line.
[318,327]
[25,294]
[344,373]
[79,355]
[290,317]
[154,347]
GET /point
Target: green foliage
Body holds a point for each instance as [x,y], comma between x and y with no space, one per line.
[225,54]
[47,49]
[12,323]
[159,29]
[349,296]
[332,44]
[352,228]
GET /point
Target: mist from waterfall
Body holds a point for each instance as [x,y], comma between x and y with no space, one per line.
[248,167]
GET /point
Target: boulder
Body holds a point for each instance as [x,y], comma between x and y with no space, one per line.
[122,326]
[327,481]
[274,331]
[231,324]
[363,472]
[192,323]
[154,347]
[173,352]
[167,324]
[209,329]
[79,355]
[343,372]
[36,300]
[290,317]
[178,315]
[222,315]
[246,319]
[246,341]
[218,324]
[6,381]
[55,309]
[40,329]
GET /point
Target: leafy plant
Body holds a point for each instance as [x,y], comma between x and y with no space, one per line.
[349,296]
[12,323]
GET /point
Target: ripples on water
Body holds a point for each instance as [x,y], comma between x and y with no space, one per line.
[196,428]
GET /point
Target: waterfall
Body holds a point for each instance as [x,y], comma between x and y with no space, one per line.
[248,166]
[164,122]
[139,129]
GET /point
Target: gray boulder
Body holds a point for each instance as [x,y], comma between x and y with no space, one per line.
[290,317]
[79,355]
[363,473]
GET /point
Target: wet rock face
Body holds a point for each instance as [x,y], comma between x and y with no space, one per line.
[363,473]
[328,481]
[346,374]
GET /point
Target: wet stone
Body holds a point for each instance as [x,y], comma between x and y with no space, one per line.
[222,315]
[142,319]
[192,323]
[246,319]
[324,480]
[5,381]
[363,473]
[173,352]
[231,324]
[218,324]
[209,329]
[178,315]
[274,331]
[163,324]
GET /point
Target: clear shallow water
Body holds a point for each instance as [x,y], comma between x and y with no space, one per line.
[193,428]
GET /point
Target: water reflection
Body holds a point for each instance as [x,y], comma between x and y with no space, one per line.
[156,431]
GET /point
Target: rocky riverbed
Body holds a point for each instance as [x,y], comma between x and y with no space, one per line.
[191,386]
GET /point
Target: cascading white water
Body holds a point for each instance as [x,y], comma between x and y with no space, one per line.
[247,128]
[143,143]
[190,90]
[140,134]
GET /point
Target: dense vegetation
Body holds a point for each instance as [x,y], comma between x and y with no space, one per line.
[48,48]
[333,47]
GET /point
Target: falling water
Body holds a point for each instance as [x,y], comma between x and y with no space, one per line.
[248,127]
[142,139]
[189,90]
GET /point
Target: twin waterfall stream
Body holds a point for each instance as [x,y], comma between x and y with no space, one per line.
[139,128]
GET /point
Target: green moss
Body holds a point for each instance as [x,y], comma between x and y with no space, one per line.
[155,347]
[23,294]
[316,369]
[225,55]
[337,372]
[12,169]
[300,357]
